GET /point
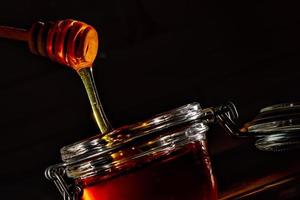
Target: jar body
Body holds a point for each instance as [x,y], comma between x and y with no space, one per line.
[184,173]
[164,157]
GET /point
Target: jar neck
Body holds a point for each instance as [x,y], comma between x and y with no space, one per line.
[160,144]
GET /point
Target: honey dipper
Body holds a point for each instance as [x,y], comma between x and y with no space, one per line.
[71,43]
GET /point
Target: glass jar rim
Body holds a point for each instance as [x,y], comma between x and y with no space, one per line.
[98,145]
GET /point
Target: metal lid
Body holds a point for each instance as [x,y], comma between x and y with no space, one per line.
[277,127]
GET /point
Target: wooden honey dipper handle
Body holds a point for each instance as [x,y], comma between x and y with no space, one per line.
[14,33]
[69,42]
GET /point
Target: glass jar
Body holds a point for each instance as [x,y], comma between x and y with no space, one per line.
[165,157]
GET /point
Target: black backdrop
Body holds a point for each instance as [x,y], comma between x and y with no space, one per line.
[155,55]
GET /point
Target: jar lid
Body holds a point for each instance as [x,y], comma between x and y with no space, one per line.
[277,127]
[100,145]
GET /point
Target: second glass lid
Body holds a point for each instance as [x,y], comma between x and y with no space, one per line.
[277,127]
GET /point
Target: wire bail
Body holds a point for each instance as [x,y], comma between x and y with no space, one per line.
[56,173]
[226,115]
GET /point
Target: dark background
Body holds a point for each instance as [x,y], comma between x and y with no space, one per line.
[155,55]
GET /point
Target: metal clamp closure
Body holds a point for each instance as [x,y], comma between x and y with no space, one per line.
[57,173]
[226,116]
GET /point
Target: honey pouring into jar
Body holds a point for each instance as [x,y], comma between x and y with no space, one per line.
[164,157]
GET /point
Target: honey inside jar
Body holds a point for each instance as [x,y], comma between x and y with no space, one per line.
[182,174]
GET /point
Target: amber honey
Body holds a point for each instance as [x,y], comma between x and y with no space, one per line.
[183,174]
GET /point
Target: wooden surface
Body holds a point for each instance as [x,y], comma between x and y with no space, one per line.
[258,175]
